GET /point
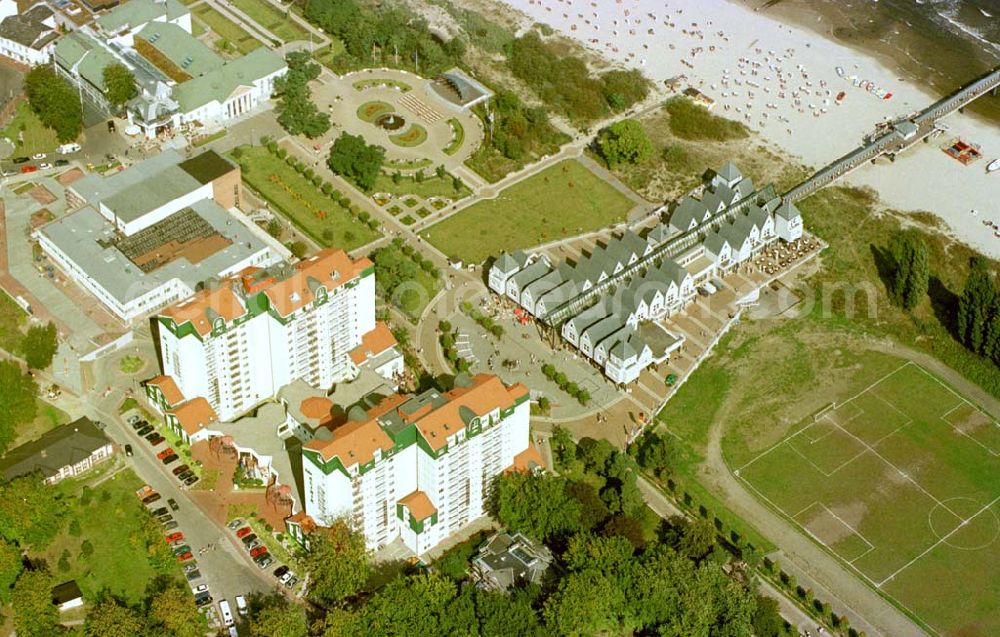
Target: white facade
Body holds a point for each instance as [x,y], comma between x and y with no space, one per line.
[421,469]
[237,347]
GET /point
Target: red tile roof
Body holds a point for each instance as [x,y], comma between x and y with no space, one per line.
[316,407]
[222,301]
[486,393]
[168,387]
[373,343]
[419,505]
[330,268]
[194,415]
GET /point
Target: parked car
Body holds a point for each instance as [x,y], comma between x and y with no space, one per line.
[166,517]
[171,458]
[173,537]
[39,156]
[151,498]
[168,525]
[263,561]
[181,469]
[193,575]
[189,481]
[21,160]
[248,539]
[155,439]
[71,147]
[241,605]
[143,430]
[245,531]
[153,434]
[133,419]
[44,165]
[178,543]
[182,549]
[59,163]
[190,566]
[260,550]
[252,545]
[235,524]
[287,576]
[203,599]
[29,169]
[163,454]
[183,557]
[281,570]
[160,511]
[173,504]
[128,450]
[291,581]
[203,588]
[185,475]
[139,423]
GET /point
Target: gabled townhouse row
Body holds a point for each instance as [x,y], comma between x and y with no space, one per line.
[709,238]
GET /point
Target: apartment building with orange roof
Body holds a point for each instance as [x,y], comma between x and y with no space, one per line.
[417,467]
[236,344]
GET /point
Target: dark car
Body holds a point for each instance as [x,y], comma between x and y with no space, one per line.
[247,539]
[183,548]
[186,474]
[139,424]
[281,570]
[169,524]
[263,560]
[128,450]
[203,599]
[171,458]
[173,504]
[149,499]
[60,162]
[160,511]
[144,430]
[155,438]
[193,575]
[21,160]
[181,469]
[111,128]
[191,480]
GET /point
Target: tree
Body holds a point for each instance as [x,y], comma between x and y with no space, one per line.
[539,505]
[299,249]
[976,305]
[31,599]
[697,539]
[585,603]
[338,563]
[18,403]
[55,101]
[624,141]
[654,453]
[110,617]
[173,610]
[119,84]
[276,617]
[910,275]
[11,566]
[31,513]
[39,345]
[274,228]
[296,111]
[352,158]
[767,620]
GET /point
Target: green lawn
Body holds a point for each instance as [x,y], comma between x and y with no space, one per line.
[129,550]
[227,29]
[48,417]
[271,18]
[431,186]
[692,121]
[298,199]
[563,200]
[412,136]
[458,137]
[370,111]
[28,134]
[12,321]
[130,364]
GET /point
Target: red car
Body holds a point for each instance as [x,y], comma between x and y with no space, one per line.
[173,537]
[29,169]
[245,531]
[260,550]
[163,454]
[183,557]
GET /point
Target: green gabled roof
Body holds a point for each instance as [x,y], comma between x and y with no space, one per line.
[187,52]
[136,12]
[220,83]
[79,48]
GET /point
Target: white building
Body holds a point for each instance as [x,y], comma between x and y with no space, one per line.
[418,468]
[236,344]
[150,235]
[28,36]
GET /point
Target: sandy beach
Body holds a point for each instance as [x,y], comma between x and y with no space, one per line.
[783,81]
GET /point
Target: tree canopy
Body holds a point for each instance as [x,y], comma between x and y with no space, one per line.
[11,566]
[55,101]
[910,275]
[536,504]
[31,513]
[31,599]
[297,113]
[18,401]
[978,321]
[172,609]
[274,616]
[110,617]
[119,84]
[338,563]
[625,141]
[352,158]
[39,345]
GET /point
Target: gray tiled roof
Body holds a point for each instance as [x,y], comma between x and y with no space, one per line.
[590,316]
[603,328]
[787,211]
[26,28]
[715,240]
[533,272]
[744,188]
[729,172]
[724,192]
[55,449]
[673,271]
[660,233]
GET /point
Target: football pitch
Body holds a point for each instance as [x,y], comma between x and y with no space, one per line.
[902,483]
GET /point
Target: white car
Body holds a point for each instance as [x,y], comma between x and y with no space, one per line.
[38,156]
[44,165]
[241,605]
[66,149]
[287,576]
[227,614]
[200,589]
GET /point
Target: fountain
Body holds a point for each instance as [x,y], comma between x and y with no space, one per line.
[390,122]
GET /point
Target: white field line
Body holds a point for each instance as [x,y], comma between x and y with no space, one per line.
[944,538]
[962,401]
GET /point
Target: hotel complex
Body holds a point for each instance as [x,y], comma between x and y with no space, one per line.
[603,302]
[418,468]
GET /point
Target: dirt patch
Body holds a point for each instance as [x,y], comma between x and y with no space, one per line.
[967,419]
[42,195]
[825,525]
[70,176]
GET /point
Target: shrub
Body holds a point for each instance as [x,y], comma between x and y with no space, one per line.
[444,326]
[74,528]
[299,249]
[282,153]
[326,188]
